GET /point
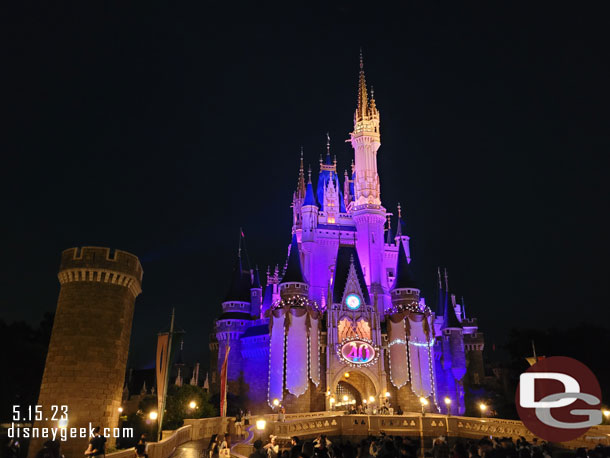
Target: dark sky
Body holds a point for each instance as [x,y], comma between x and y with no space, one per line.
[161,132]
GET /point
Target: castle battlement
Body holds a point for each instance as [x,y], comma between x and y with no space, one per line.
[103,265]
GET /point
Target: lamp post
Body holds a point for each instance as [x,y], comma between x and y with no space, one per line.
[482,408]
[261,424]
[424,402]
[448,405]
[153,417]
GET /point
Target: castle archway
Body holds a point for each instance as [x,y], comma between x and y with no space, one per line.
[357,384]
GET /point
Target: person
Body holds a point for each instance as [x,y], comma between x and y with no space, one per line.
[97,445]
[258,450]
[223,447]
[281,416]
[13,449]
[272,448]
[295,447]
[141,447]
[399,410]
[440,448]
[48,450]
[238,423]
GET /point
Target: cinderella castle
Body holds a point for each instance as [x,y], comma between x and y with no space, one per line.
[345,322]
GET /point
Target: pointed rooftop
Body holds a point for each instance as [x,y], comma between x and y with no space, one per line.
[450,318]
[239,289]
[346,256]
[294,273]
[310,197]
[363,96]
[404,276]
[256,279]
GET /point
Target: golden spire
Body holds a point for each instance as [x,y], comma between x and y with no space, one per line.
[301,183]
[363,96]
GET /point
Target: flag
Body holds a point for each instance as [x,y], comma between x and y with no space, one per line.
[223,384]
[242,232]
[162,367]
[534,359]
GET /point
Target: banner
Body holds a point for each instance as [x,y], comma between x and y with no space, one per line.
[162,367]
[223,384]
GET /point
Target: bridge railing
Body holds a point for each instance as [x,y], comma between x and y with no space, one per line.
[162,449]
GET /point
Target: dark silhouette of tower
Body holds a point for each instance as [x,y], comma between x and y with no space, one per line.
[87,357]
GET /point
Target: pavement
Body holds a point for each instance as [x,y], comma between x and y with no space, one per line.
[192,449]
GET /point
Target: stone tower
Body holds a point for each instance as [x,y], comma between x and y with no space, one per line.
[87,357]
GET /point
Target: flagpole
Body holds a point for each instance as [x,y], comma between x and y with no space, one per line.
[169,361]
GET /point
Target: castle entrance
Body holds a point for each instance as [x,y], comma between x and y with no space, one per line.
[353,387]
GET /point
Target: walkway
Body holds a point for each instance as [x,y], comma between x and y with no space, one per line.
[192,449]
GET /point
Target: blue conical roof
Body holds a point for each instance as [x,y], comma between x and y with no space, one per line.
[256,279]
[239,290]
[404,277]
[310,198]
[294,273]
[450,318]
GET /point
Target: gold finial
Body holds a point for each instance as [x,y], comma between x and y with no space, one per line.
[399,211]
[327,143]
[309,174]
[361,59]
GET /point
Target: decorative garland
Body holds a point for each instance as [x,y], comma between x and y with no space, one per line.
[411,307]
[295,301]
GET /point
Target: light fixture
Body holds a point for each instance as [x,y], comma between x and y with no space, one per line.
[345,398]
[606,413]
[63,423]
[387,394]
[483,407]
[331,400]
[276,402]
[328,393]
[192,404]
[372,399]
[261,424]
[364,401]
[424,401]
[346,375]
[120,409]
[447,400]
[153,415]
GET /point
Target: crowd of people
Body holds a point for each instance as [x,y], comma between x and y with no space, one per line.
[384,446]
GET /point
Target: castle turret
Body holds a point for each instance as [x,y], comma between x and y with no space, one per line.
[293,318]
[233,322]
[256,294]
[87,356]
[453,354]
[297,199]
[368,213]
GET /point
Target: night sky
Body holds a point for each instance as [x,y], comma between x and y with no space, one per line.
[161,132]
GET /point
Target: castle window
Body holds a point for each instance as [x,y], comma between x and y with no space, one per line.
[331,220]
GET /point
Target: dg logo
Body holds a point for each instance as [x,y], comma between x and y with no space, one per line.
[558,399]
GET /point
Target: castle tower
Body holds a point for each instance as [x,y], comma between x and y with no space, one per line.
[410,334]
[256,294]
[297,200]
[233,322]
[87,357]
[368,213]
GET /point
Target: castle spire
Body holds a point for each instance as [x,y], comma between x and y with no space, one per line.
[300,194]
[363,97]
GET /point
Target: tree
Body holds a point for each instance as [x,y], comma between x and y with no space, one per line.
[178,408]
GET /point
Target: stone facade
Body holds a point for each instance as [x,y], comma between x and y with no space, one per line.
[87,357]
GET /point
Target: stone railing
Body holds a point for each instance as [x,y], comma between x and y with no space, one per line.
[162,449]
[430,425]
